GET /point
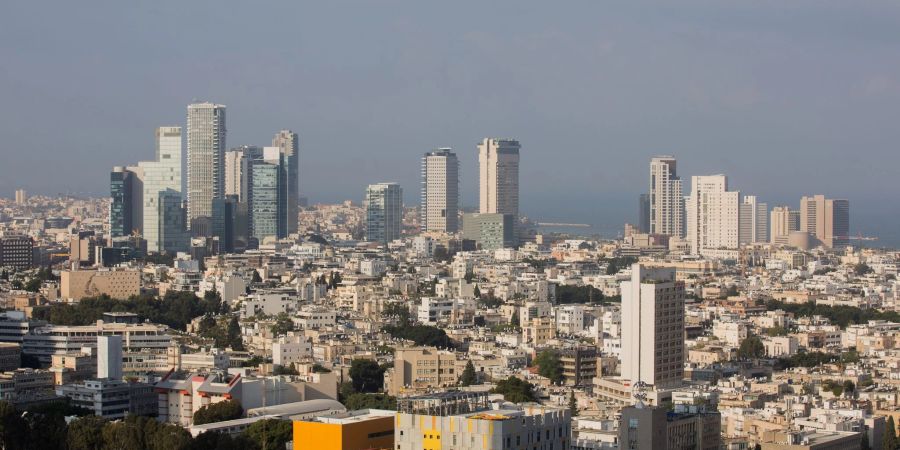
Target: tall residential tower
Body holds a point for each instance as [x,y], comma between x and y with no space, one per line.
[205,158]
[384,212]
[666,197]
[498,161]
[289,143]
[440,192]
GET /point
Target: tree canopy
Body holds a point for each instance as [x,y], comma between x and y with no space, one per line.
[515,390]
[366,375]
[217,412]
[751,347]
[549,365]
[468,377]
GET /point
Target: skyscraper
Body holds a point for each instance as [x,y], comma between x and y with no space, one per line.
[21,196]
[784,221]
[828,220]
[653,326]
[712,215]
[160,175]
[384,212]
[666,197]
[498,161]
[440,192]
[754,221]
[289,143]
[173,236]
[644,213]
[206,158]
[122,184]
[268,195]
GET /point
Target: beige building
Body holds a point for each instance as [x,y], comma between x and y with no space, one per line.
[116,283]
[422,368]
[783,222]
[713,214]
[498,161]
[828,220]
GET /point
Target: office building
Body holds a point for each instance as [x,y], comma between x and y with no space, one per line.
[498,162]
[827,220]
[44,342]
[15,325]
[652,427]
[267,194]
[652,327]
[111,399]
[17,252]
[784,221]
[21,196]
[124,188]
[173,236]
[465,420]
[384,212]
[352,430]
[579,365]
[666,198]
[712,215]
[10,356]
[644,213]
[440,192]
[205,158]
[490,231]
[161,178]
[289,145]
[109,357]
[754,221]
[116,283]
[180,398]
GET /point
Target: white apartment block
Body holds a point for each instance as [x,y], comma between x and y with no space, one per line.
[288,350]
[205,158]
[712,215]
[498,161]
[666,197]
[440,192]
[653,327]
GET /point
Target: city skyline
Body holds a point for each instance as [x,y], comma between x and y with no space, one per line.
[773,110]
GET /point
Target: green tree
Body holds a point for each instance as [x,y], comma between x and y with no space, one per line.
[283,324]
[776,331]
[233,334]
[217,412]
[515,390]
[751,347]
[849,387]
[86,433]
[366,375]
[573,404]
[256,277]
[13,431]
[862,269]
[370,401]
[477,292]
[549,365]
[890,434]
[468,376]
[270,433]
[33,285]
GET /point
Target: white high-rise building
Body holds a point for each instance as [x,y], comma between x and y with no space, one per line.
[109,357]
[440,192]
[666,197]
[712,215]
[160,177]
[205,158]
[384,212]
[653,327]
[498,161]
[289,143]
[754,221]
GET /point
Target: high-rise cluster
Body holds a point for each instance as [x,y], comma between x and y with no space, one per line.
[238,197]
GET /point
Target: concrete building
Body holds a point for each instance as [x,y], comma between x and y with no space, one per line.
[439,210]
[23,386]
[125,190]
[646,427]
[43,342]
[384,212]
[111,399]
[653,327]
[179,398]
[784,221]
[754,221]
[712,215]
[466,420]
[161,179]
[205,158]
[579,365]
[17,252]
[490,231]
[498,162]
[10,356]
[21,196]
[666,198]
[109,357]
[421,368]
[288,144]
[644,213]
[828,220]
[15,325]
[353,430]
[116,283]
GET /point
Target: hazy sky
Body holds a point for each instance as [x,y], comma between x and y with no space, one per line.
[786,97]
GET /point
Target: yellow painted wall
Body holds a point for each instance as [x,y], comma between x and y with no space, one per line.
[351,436]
